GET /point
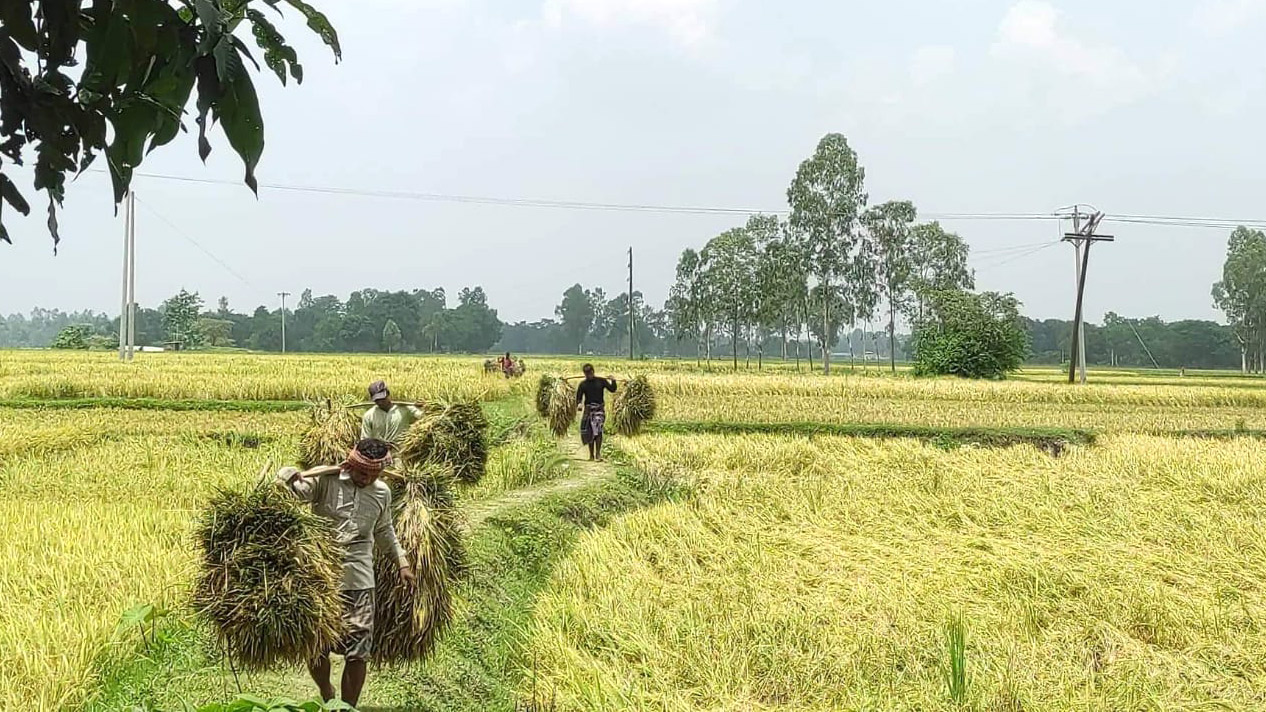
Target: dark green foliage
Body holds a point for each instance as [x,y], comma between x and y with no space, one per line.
[1049,439]
[137,63]
[970,335]
[269,577]
[73,338]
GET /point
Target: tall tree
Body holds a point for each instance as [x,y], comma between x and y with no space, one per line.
[889,228]
[938,261]
[1241,294]
[827,198]
[685,306]
[391,337]
[576,314]
[729,271]
[79,79]
[180,318]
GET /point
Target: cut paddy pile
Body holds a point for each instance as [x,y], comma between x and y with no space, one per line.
[333,431]
[269,582]
[451,435]
[561,405]
[633,406]
[409,619]
[544,387]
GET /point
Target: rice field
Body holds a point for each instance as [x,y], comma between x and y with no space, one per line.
[825,575]
[800,572]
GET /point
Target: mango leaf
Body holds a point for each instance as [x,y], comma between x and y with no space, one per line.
[15,17]
[319,24]
[277,54]
[239,116]
[210,91]
[9,191]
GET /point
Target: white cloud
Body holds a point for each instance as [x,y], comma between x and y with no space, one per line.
[1080,77]
[1221,17]
[931,63]
[688,22]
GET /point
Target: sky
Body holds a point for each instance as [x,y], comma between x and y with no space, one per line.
[973,106]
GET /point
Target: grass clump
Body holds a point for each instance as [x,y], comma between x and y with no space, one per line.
[269,582]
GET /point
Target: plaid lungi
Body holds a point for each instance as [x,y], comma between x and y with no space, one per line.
[592,422]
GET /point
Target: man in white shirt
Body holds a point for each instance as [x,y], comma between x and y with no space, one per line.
[387,421]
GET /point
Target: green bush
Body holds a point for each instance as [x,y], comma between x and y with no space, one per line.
[74,337]
[970,335]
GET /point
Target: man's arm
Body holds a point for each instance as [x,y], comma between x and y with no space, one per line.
[580,393]
[611,384]
[385,535]
[304,485]
[366,423]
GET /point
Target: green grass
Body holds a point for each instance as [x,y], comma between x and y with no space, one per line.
[989,437]
[242,406]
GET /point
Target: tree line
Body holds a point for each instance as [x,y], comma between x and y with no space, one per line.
[369,321]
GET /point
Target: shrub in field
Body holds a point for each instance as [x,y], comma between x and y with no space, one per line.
[970,335]
[73,338]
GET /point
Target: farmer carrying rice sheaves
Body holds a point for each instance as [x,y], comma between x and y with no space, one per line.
[593,412]
[352,498]
[387,421]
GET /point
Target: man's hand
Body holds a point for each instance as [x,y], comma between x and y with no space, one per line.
[406,575]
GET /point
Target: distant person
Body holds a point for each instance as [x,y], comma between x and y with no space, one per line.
[358,505]
[593,411]
[387,421]
[507,365]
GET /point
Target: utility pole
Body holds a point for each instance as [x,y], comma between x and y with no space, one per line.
[131,278]
[632,306]
[283,296]
[124,301]
[127,306]
[1082,238]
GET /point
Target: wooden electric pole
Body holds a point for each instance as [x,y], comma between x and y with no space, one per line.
[1082,238]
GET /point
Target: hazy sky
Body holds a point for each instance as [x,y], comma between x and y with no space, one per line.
[963,107]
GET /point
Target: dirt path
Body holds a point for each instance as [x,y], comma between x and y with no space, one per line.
[582,472]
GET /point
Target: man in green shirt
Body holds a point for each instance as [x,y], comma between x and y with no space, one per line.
[387,421]
[358,505]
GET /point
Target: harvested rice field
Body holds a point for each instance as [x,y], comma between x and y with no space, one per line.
[771,539]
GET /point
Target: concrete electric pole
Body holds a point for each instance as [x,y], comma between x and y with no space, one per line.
[1082,237]
[283,296]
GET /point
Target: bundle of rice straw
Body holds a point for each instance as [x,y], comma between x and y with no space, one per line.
[634,404]
[544,388]
[453,435]
[562,407]
[408,619]
[270,577]
[333,432]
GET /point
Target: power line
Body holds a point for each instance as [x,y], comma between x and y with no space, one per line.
[1021,255]
[1156,220]
[198,245]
